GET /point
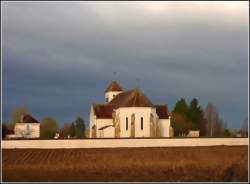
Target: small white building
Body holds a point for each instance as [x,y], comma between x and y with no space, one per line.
[27,127]
[193,133]
[128,114]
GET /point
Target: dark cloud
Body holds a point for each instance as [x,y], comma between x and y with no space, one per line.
[58,57]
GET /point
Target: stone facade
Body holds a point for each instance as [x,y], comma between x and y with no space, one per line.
[129,114]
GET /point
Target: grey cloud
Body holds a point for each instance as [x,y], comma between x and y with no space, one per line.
[65,53]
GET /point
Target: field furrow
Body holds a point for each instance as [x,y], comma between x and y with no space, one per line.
[218,163]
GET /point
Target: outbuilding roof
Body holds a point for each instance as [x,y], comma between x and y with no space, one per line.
[162,111]
[104,127]
[28,119]
[103,111]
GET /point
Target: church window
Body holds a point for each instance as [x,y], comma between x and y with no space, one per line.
[141,123]
[107,100]
[126,123]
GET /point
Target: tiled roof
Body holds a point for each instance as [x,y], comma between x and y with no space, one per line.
[28,119]
[114,86]
[103,111]
[132,98]
[162,111]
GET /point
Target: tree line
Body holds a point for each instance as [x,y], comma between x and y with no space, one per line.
[185,117]
[49,127]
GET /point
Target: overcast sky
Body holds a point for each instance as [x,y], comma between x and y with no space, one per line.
[59,57]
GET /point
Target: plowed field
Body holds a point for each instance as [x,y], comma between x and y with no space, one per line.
[219,163]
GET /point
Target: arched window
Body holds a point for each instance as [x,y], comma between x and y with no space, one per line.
[126,123]
[141,123]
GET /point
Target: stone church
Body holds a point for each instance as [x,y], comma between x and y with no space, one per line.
[128,114]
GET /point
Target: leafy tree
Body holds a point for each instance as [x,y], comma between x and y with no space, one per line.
[179,118]
[16,115]
[179,124]
[191,117]
[79,128]
[195,114]
[4,131]
[49,128]
[187,117]
[203,127]
[72,130]
[65,131]
[181,107]
[227,133]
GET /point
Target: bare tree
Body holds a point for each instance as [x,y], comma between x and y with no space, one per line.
[65,131]
[215,125]
[244,127]
[220,127]
[209,115]
[16,115]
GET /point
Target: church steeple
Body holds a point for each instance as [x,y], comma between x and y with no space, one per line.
[114,86]
[112,90]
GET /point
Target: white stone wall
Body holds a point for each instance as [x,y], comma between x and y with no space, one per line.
[126,112]
[110,95]
[98,122]
[103,122]
[22,130]
[92,120]
[116,143]
[164,127]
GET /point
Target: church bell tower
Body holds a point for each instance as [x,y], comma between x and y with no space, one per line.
[113,89]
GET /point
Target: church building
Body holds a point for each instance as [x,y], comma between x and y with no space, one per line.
[128,114]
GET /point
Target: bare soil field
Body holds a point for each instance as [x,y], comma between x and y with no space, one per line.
[218,163]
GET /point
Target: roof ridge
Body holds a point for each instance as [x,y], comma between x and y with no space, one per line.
[131,98]
[28,118]
[101,104]
[160,105]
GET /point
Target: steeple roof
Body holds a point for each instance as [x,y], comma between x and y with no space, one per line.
[114,86]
